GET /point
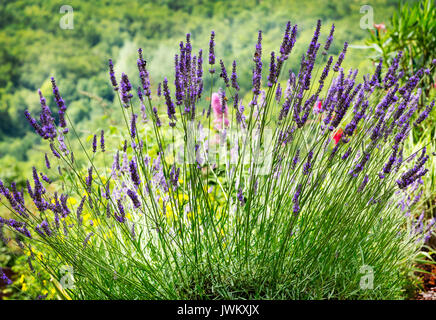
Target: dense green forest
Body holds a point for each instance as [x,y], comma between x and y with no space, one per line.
[33,48]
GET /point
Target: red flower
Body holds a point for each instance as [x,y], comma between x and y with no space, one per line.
[338,135]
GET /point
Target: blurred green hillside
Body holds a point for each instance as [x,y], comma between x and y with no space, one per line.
[33,48]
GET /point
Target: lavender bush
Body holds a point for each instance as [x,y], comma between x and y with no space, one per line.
[291,191]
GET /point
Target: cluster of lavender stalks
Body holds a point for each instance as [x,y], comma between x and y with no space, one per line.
[335,172]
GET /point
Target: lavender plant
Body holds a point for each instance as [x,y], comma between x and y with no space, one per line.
[287,192]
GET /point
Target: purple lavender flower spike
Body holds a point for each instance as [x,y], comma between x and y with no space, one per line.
[86,240]
[89,180]
[34,124]
[39,188]
[363,184]
[223,74]
[156,116]
[47,162]
[102,144]
[346,154]
[134,197]
[126,87]
[133,126]
[18,196]
[388,165]
[341,58]
[424,114]
[112,75]
[329,40]
[14,200]
[171,111]
[45,178]
[307,166]
[272,71]
[61,104]
[295,159]
[325,72]
[200,73]
[80,210]
[286,46]
[286,38]
[5,278]
[94,144]
[45,228]
[121,217]
[174,176]
[55,153]
[108,210]
[375,78]
[240,196]
[257,71]
[159,89]
[390,77]
[359,166]
[313,43]
[143,74]
[178,81]
[212,51]
[234,77]
[278,93]
[295,199]
[65,210]
[134,173]
[415,173]
[46,119]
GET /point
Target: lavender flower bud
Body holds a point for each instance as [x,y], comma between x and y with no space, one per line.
[363,184]
[79,211]
[121,217]
[295,199]
[424,114]
[241,197]
[134,173]
[234,77]
[102,145]
[341,57]
[212,50]
[272,71]
[112,75]
[94,144]
[126,87]
[89,180]
[223,74]
[134,197]
[5,278]
[307,166]
[329,40]
[171,111]
[47,162]
[133,126]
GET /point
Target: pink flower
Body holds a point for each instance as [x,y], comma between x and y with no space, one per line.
[219,112]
